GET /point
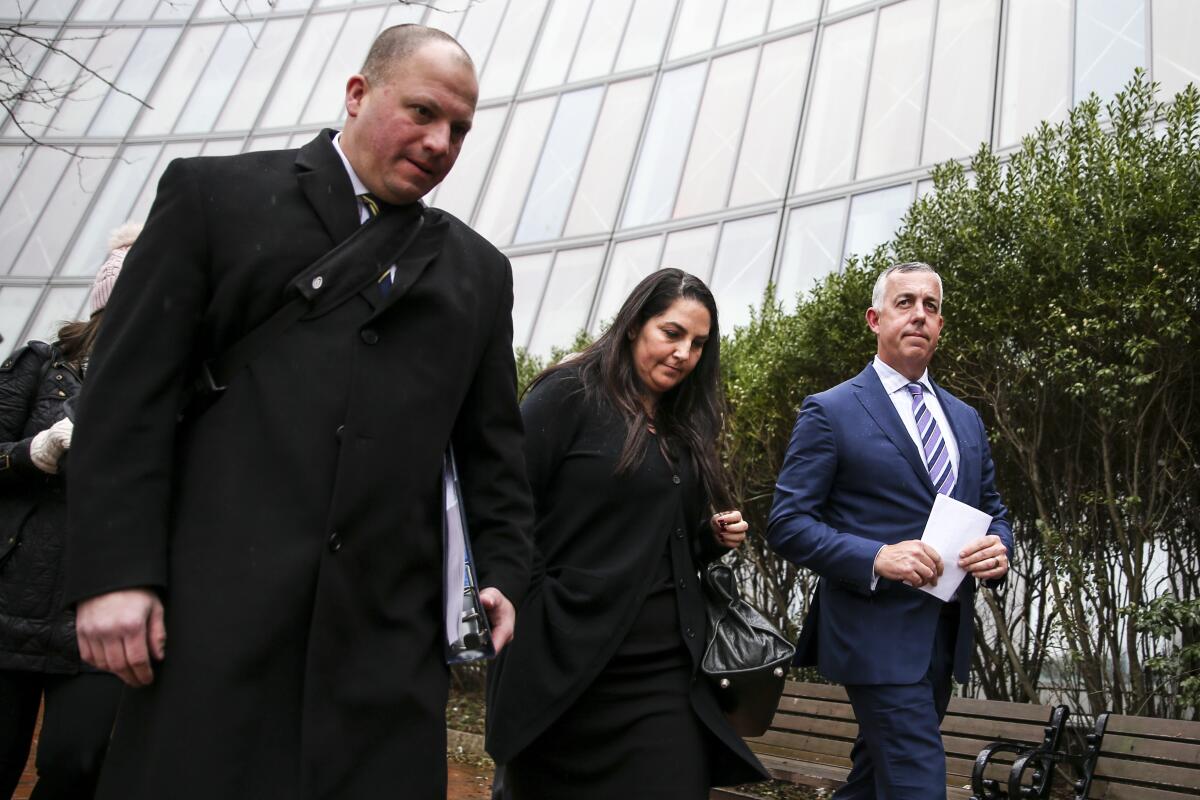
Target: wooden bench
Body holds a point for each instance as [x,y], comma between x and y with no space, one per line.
[993,748]
[810,738]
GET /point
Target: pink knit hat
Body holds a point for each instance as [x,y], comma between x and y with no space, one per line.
[120,241]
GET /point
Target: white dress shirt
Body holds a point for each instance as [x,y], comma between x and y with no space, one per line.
[359,187]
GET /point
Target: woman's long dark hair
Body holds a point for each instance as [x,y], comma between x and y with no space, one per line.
[75,339]
[691,412]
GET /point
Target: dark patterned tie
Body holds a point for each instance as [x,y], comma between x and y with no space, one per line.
[371,204]
[937,455]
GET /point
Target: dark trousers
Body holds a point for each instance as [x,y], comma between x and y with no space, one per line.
[898,754]
[75,729]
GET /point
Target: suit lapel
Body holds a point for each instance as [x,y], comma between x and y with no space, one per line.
[323,179]
[870,393]
[960,429]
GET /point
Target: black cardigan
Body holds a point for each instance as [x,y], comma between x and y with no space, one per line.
[598,537]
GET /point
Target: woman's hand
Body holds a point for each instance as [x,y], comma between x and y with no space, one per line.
[48,446]
[729,529]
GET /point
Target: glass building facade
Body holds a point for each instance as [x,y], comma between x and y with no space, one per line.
[746,141]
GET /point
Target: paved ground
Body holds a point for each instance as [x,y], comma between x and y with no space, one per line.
[467,782]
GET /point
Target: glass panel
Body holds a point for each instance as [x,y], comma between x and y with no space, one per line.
[924,187]
[529,279]
[303,70]
[1110,40]
[213,9]
[62,304]
[811,250]
[558,173]
[479,28]
[12,158]
[691,250]
[743,19]
[137,76]
[111,208]
[653,192]
[460,189]
[715,141]
[631,261]
[601,36]
[513,170]
[446,15]
[250,91]
[260,143]
[1037,66]
[284,5]
[792,12]
[15,304]
[21,60]
[57,71]
[892,126]
[559,36]
[835,6]
[513,43]
[91,10]
[743,268]
[135,9]
[51,9]
[959,112]
[762,166]
[349,52]
[106,59]
[874,218]
[696,27]
[402,14]
[219,76]
[613,144]
[221,147]
[27,198]
[1176,56]
[645,34]
[568,299]
[835,107]
[175,87]
[178,10]
[70,200]
[141,209]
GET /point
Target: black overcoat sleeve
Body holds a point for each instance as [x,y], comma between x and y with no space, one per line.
[119,496]
[487,442]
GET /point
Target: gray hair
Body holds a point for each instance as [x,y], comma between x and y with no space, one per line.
[396,44]
[906,267]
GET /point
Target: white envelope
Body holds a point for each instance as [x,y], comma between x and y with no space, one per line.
[950,526]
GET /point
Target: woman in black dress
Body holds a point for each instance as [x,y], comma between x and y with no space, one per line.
[598,695]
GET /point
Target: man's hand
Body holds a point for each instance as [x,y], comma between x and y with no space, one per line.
[912,562]
[986,558]
[729,529]
[120,631]
[502,616]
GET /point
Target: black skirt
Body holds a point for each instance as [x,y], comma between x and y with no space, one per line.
[633,732]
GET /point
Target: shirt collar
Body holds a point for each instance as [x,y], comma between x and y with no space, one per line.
[359,187]
[893,381]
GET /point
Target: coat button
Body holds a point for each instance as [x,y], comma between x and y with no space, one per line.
[679,533]
[691,634]
[318,282]
[340,430]
[682,583]
[369,336]
[675,479]
[58,377]
[335,542]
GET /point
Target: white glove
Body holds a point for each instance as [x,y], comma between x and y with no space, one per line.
[48,446]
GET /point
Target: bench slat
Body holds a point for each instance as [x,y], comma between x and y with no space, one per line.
[1122,745]
[1174,729]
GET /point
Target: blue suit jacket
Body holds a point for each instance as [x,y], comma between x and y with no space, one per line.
[853,480]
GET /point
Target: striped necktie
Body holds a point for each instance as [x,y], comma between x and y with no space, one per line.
[937,455]
[371,204]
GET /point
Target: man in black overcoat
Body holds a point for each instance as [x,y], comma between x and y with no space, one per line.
[267,574]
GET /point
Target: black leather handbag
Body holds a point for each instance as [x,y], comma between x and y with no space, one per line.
[746,658]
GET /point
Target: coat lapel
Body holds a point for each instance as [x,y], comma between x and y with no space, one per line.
[323,179]
[960,429]
[425,247]
[869,391]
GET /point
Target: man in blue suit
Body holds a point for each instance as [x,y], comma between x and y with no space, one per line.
[866,460]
